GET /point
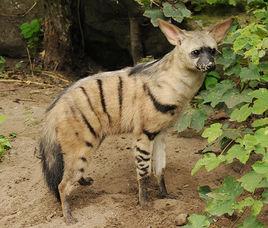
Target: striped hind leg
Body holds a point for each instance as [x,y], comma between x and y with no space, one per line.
[75,165]
[159,163]
[143,151]
[77,145]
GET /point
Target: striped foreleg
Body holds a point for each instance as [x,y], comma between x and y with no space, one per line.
[143,152]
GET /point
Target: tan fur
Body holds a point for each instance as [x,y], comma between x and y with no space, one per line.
[172,82]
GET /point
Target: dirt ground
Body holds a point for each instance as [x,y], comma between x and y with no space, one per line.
[112,200]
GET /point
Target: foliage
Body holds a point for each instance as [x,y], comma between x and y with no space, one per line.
[4,142]
[165,9]
[239,88]
[31,32]
[2,63]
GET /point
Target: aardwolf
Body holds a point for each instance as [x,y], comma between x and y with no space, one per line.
[143,100]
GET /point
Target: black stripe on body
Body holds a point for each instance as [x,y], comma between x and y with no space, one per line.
[89,102]
[163,108]
[120,94]
[103,99]
[88,99]
[55,101]
[88,125]
[142,151]
[151,135]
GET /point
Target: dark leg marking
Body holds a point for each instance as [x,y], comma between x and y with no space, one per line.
[162,187]
[163,108]
[151,135]
[103,99]
[142,151]
[143,186]
[88,144]
[82,170]
[143,174]
[83,159]
[85,181]
[120,94]
[139,158]
[144,169]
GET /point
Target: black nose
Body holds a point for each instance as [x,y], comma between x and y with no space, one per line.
[211,67]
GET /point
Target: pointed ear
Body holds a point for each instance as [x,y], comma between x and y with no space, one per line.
[219,31]
[172,32]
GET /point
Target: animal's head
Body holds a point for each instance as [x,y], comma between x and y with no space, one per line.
[196,49]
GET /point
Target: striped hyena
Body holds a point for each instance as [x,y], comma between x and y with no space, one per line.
[143,100]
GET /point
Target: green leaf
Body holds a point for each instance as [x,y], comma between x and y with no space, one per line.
[231,133]
[241,114]
[260,104]
[250,73]
[250,181]
[227,58]
[211,79]
[199,117]
[265,196]
[154,14]
[213,132]
[261,167]
[197,221]
[210,161]
[177,11]
[203,191]
[184,121]
[261,136]
[4,142]
[210,82]
[223,199]
[249,141]
[247,202]
[215,95]
[256,207]
[237,151]
[251,222]
[233,97]
[260,122]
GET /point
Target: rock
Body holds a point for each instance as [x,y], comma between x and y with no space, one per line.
[12,14]
[107,35]
[181,219]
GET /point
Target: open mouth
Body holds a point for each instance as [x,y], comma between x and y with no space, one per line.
[205,68]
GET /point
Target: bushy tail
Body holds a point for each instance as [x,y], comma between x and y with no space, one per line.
[52,161]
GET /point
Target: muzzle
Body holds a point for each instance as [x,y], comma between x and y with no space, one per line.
[205,63]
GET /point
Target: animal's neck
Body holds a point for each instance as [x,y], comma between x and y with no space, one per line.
[172,71]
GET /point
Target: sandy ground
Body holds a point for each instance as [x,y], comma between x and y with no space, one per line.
[112,200]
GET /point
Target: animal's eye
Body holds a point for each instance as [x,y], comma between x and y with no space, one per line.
[195,52]
[212,51]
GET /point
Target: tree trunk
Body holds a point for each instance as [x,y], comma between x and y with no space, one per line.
[135,40]
[57,34]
